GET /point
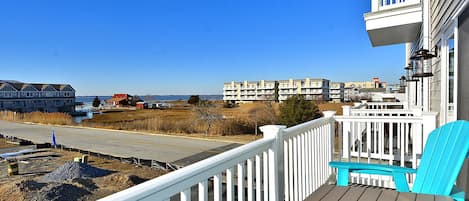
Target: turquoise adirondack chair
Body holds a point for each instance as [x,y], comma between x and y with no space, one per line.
[442,159]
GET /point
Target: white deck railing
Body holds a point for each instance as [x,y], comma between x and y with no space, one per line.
[386,136]
[308,149]
[380,5]
[385,105]
[291,163]
[287,164]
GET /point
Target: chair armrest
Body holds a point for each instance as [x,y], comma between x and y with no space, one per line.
[457,194]
[398,173]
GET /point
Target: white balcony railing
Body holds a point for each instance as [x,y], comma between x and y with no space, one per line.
[387,136]
[385,105]
[291,163]
[287,164]
[380,5]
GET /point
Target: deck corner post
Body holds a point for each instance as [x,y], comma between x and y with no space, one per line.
[429,124]
[275,155]
[330,115]
[346,131]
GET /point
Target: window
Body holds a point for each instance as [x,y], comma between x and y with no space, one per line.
[451,73]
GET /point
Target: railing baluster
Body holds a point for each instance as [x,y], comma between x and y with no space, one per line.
[217,187]
[402,143]
[303,166]
[368,141]
[229,185]
[314,158]
[186,195]
[266,175]
[290,168]
[203,191]
[241,181]
[307,162]
[376,137]
[391,142]
[250,180]
[339,140]
[285,169]
[360,142]
[295,166]
[258,178]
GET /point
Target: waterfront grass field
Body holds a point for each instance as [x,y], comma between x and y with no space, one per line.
[237,125]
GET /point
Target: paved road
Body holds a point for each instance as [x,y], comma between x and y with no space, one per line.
[181,151]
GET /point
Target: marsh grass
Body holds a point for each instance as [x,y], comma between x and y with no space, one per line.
[38,117]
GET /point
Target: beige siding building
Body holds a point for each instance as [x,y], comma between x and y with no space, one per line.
[312,89]
[248,91]
[337,92]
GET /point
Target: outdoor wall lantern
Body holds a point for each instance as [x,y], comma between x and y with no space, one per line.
[402,81]
[422,63]
[409,70]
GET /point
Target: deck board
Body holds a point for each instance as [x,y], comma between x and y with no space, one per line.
[406,197]
[424,197]
[353,193]
[357,192]
[320,193]
[370,194]
[336,193]
[388,195]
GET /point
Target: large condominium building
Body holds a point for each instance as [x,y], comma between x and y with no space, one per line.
[336,92]
[312,89]
[353,90]
[366,84]
[250,91]
[27,97]
[247,91]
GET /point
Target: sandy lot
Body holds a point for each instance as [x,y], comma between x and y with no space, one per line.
[28,186]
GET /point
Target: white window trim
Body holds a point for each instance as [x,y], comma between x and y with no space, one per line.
[451,29]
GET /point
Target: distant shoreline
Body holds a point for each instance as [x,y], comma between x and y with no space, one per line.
[163,98]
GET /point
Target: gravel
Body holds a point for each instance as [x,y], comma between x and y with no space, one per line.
[74,170]
[30,185]
[59,192]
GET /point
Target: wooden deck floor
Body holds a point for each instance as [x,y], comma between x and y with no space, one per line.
[367,193]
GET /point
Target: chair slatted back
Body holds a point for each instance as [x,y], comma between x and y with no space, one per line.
[442,158]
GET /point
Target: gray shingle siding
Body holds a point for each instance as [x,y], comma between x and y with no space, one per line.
[27,97]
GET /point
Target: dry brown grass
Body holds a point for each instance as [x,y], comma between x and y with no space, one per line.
[239,123]
[333,106]
[37,117]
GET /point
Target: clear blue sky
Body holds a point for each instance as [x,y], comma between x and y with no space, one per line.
[188,47]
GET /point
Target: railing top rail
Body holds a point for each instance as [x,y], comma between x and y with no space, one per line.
[301,128]
[390,119]
[380,5]
[174,182]
[385,103]
[383,111]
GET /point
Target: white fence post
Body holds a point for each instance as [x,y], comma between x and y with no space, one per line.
[374,5]
[330,114]
[276,175]
[346,131]
[429,124]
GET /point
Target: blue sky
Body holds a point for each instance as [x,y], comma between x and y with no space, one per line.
[163,47]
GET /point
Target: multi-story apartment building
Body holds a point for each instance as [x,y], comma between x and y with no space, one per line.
[366,84]
[27,97]
[337,92]
[312,89]
[250,91]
